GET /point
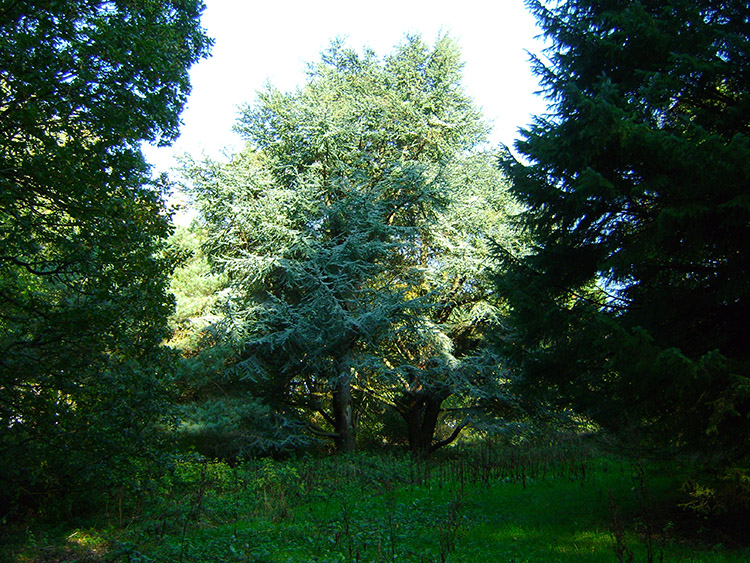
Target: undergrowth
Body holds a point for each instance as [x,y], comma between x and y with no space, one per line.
[561,502]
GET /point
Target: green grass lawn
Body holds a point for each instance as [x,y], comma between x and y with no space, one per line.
[545,505]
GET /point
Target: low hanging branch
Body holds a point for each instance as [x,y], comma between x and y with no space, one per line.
[318,431]
[450,439]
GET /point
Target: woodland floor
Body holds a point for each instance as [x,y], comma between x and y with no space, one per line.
[564,502]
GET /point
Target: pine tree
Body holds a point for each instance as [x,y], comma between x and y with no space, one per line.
[632,305]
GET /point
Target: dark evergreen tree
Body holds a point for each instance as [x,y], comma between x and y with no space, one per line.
[633,304]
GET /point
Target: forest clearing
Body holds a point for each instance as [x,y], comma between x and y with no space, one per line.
[564,502]
[381,338]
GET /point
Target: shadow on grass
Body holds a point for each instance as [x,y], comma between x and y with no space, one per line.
[559,503]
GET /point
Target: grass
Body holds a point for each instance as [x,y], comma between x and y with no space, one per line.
[561,503]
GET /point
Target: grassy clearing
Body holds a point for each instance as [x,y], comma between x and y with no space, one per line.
[489,504]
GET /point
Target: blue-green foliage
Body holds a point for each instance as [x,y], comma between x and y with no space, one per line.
[353,232]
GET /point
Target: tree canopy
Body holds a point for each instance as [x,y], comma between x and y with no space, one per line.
[632,305]
[353,232]
[83,279]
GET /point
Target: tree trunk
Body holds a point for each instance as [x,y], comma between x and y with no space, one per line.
[421,416]
[343,411]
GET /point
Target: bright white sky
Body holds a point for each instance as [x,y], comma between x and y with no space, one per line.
[272,40]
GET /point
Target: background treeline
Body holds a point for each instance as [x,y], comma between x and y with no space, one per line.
[367,270]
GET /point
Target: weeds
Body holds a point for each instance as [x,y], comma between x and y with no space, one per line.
[490,502]
[617,530]
[648,524]
[448,529]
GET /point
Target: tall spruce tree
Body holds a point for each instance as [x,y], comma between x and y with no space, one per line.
[345,266]
[633,304]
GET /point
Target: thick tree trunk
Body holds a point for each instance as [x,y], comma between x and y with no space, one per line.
[421,416]
[430,413]
[343,411]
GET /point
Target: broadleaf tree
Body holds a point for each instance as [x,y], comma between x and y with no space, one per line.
[632,305]
[83,279]
[339,228]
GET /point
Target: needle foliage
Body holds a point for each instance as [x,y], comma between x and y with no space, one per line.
[634,302]
[353,231]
